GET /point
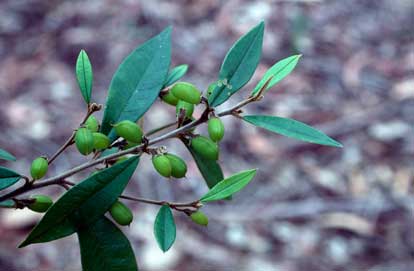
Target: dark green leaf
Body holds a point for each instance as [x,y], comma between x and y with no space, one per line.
[8,203]
[279,71]
[292,128]
[105,248]
[84,75]
[8,177]
[137,82]
[175,74]
[83,203]
[6,155]
[229,186]
[239,65]
[164,228]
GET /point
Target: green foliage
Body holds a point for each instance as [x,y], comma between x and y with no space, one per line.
[229,186]
[8,177]
[175,74]
[164,228]
[105,248]
[84,75]
[7,204]
[278,71]
[137,82]
[5,155]
[83,203]
[238,65]
[292,128]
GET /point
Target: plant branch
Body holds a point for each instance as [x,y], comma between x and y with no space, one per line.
[135,150]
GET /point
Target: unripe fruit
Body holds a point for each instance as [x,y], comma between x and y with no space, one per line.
[39,168]
[205,147]
[121,213]
[131,144]
[178,166]
[187,107]
[162,165]
[169,98]
[200,218]
[84,141]
[186,92]
[92,124]
[129,130]
[41,204]
[210,89]
[100,141]
[121,159]
[215,129]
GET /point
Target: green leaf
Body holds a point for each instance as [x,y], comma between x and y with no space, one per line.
[6,155]
[239,65]
[84,75]
[137,82]
[105,248]
[8,203]
[8,177]
[278,71]
[83,203]
[175,74]
[209,169]
[292,128]
[229,186]
[164,228]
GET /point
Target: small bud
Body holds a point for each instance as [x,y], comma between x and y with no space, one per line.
[100,141]
[129,130]
[92,124]
[200,218]
[205,147]
[39,168]
[178,166]
[162,165]
[121,213]
[186,92]
[84,141]
[169,98]
[187,107]
[41,204]
[215,129]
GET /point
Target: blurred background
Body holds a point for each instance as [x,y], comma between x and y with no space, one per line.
[310,207]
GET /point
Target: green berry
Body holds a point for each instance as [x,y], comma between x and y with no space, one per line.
[186,92]
[100,141]
[169,98]
[39,168]
[187,107]
[121,213]
[200,218]
[215,129]
[41,204]
[178,166]
[92,124]
[121,159]
[205,147]
[129,130]
[131,144]
[84,141]
[162,165]
[210,89]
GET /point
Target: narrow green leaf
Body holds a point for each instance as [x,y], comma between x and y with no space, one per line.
[8,203]
[137,82]
[279,71]
[84,75]
[6,155]
[8,177]
[292,128]
[238,65]
[164,228]
[104,247]
[209,169]
[83,203]
[229,186]
[175,74]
